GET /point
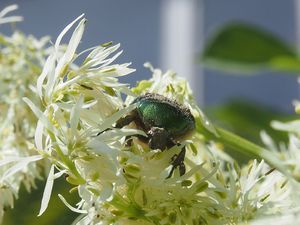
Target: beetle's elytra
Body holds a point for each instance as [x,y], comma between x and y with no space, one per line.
[155,110]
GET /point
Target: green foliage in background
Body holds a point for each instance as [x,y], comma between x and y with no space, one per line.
[238,49]
[243,48]
[27,207]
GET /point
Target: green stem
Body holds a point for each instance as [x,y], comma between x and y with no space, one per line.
[120,203]
[244,146]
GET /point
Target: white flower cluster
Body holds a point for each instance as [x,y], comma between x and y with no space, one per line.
[77,100]
[21,61]
[121,184]
[290,156]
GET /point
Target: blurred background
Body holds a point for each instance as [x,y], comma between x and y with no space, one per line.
[172,34]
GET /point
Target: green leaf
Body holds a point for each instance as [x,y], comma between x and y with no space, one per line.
[56,213]
[245,48]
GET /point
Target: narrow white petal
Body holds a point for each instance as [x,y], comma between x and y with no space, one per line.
[68,83]
[59,174]
[75,115]
[71,49]
[39,114]
[48,67]
[101,148]
[11,19]
[47,191]
[75,40]
[71,207]
[8,9]
[65,30]
[38,136]
[8,160]
[23,162]
[110,60]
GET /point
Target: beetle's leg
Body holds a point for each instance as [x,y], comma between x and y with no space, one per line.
[159,139]
[178,161]
[128,139]
[122,122]
[125,120]
[103,131]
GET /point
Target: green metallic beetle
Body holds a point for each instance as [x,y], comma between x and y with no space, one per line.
[165,122]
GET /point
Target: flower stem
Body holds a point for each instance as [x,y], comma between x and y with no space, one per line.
[244,146]
[120,203]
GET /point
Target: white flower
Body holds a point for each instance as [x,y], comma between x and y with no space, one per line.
[79,101]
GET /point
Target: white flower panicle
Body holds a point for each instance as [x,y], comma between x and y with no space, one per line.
[126,184]
[22,58]
[289,211]
[81,99]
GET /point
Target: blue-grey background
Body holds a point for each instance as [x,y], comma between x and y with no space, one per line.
[274,89]
[136,25]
